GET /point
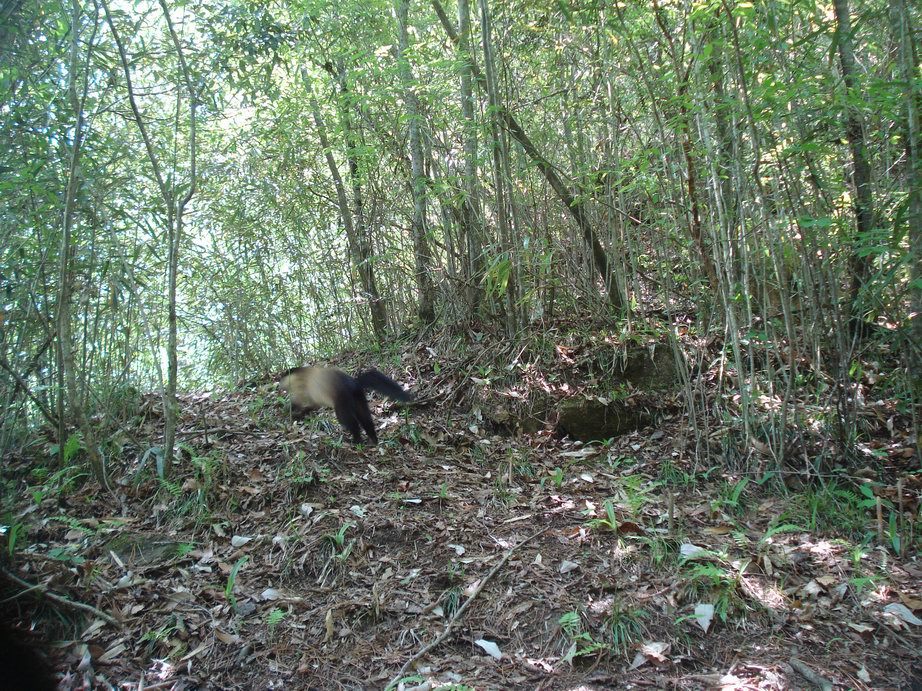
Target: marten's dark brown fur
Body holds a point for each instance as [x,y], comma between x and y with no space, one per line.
[310,388]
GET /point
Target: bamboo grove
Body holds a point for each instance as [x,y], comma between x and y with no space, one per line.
[195,190]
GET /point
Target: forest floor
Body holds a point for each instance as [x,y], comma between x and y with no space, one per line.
[280,557]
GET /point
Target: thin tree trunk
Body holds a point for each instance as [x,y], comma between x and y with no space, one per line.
[363,235]
[471,220]
[724,146]
[861,168]
[909,69]
[499,165]
[67,389]
[600,259]
[726,245]
[612,284]
[67,379]
[359,249]
[175,210]
[683,75]
[424,263]
[366,265]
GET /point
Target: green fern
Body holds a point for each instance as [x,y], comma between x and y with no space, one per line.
[274,618]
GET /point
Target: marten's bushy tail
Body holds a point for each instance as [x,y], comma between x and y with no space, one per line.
[384,385]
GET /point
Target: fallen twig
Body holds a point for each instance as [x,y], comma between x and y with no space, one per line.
[60,599]
[810,675]
[461,611]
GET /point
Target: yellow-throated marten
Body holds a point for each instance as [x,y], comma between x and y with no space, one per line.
[310,388]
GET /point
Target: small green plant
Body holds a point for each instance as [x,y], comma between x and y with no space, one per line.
[73,444]
[830,508]
[501,491]
[608,522]
[521,465]
[712,582]
[206,467]
[12,536]
[411,431]
[443,492]
[478,455]
[63,481]
[455,572]
[155,638]
[621,461]
[858,552]
[337,442]
[341,550]
[184,548]
[625,627]
[232,581]
[778,529]
[581,642]
[174,489]
[859,583]
[411,680]
[273,619]
[189,497]
[771,478]
[485,371]
[451,601]
[894,531]
[73,524]
[556,478]
[339,537]
[661,547]
[674,476]
[730,495]
[265,405]
[67,554]
[39,473]
[636,492]
[896,541]
[300,473]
